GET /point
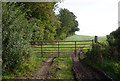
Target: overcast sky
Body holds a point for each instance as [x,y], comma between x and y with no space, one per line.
[95,17]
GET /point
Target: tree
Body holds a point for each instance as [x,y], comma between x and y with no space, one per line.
[46,21]
[69,24]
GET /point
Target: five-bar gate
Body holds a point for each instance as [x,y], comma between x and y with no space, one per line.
[61,48]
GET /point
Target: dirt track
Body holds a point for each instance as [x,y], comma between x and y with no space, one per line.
[81,71]
[42,71]
[84,72]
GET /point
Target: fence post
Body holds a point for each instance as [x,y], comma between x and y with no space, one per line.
[58,48]
[96,39]
[41,50]
[75,48]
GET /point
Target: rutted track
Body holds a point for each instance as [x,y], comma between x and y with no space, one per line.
[42,71]
[84,72]
[81,71]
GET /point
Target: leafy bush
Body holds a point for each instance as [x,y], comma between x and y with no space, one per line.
[38,29]
[105,58]
[114,42]
[16,34]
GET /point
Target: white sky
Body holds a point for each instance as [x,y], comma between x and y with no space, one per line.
[95,17]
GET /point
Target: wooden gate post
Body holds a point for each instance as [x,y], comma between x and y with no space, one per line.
[96,39]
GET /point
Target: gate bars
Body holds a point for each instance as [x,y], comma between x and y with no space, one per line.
[57,45]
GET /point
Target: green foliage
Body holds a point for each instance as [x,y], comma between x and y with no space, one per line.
[111,67]
[30,65]
[38,29]
[43,10]
[69,23]
[110,39]
[108,62]
[45,21]
[48,25]
[17,32]
[50,30]
[109,55]
[114,42]
[114,38]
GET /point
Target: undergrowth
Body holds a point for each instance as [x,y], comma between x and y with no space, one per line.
[28,66]
[104,59]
